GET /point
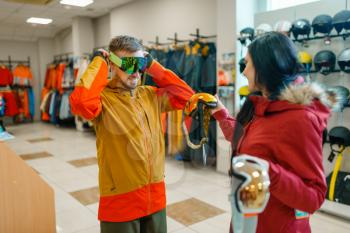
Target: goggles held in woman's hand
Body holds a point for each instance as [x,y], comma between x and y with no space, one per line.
[129,65]
[250,191]
[250,184]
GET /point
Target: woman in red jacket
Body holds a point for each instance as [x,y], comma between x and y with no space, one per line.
[282,122]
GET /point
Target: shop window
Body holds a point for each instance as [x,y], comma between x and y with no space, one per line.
[279,4]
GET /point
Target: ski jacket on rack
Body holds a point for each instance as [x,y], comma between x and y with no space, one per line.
[6,77]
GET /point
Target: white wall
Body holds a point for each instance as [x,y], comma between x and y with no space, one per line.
[102,30]
[226,27]
[83,36]
[148,19]
[226,37]
[245,10]
[309,11]
[63,41]
[45,56]
[20,50]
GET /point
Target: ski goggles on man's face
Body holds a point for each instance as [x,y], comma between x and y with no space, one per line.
[129,65]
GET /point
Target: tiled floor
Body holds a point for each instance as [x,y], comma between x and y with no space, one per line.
[65,159]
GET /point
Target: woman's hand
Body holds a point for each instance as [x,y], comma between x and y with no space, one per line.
[219,106]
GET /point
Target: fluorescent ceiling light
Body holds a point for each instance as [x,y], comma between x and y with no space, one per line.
[39,20]
[80,3]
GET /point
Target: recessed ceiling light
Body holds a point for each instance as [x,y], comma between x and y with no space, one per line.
[80,3]
[39,20]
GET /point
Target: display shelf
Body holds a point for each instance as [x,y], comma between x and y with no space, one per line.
[333,71]
[343,35]
[336,208]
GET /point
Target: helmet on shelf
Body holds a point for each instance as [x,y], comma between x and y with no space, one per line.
[341,20]
[241,64]
[344,60]
[342,94]
[263,28]
[246,33]
[322,24]
[305,59]
[324,61]
[283,26]
[301,27]
[243,91]
[339,135]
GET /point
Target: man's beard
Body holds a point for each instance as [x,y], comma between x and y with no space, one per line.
[130,83]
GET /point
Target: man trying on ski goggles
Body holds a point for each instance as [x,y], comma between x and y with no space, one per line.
[129,65]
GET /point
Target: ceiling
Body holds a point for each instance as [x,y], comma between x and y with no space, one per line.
[13,16]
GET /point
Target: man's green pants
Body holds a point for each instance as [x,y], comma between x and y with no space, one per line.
[154,223]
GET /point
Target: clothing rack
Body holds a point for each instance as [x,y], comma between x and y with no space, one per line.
[157,43]
[9,62]
[61,57]
[176,40]
[199,36]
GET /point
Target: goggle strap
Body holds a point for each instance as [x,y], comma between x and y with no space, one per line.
[115,59]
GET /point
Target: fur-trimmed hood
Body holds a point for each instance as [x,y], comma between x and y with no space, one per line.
[298,96]
[306,93]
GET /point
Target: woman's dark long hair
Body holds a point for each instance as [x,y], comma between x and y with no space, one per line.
[276,64]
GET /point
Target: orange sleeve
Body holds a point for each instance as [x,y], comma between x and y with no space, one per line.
[85,100]
[173,91]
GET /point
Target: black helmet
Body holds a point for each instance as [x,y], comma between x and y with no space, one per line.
[301,27]
[339,135]
[322,24]
[342,94]
[241,65]
[324,61]
[341,20]
[344,60]
[246,33]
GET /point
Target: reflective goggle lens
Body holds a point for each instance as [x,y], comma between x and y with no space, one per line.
[129,65]
[254,192]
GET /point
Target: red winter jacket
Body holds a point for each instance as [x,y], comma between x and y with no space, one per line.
[288,134]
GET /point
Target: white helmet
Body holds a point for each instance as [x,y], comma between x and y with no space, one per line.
[283,26]
[263,28]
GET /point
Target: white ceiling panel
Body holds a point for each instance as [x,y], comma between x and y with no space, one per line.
[6,30]
[14,15]
[24,32]
[45,32]
[9,6]
[6,37]
[14,19]
[27,13]
[21,38]
[3,14]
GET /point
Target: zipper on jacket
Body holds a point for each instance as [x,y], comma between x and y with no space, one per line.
[146,144]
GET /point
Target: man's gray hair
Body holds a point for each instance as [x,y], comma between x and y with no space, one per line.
[125,43]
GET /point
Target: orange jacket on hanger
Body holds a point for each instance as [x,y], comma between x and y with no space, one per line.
[22,75]
[6,77]
[59,76]
[50,78]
